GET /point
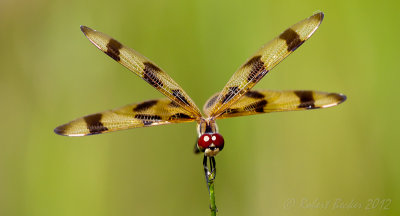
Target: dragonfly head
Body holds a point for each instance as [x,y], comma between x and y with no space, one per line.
[210,143]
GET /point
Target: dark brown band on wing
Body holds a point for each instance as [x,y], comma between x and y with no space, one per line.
[113,48]
[148,119]
[254,94]
[178,116]
[151,67]
[178,95]
[252,61]
[145,105]
[257,106]
[292,39]
[150,75]
[230,111]
[232,92]
[94,124]
[306,99]
[257,70]
[174,104]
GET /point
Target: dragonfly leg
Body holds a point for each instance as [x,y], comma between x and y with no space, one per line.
[209,170]
[205,168]
[213,169]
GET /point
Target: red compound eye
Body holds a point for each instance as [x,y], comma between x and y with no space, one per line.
[204,141]
[218,140]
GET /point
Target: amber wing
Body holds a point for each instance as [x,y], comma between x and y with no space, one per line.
[265,101]
[142,67]
[266,58]
[148,113]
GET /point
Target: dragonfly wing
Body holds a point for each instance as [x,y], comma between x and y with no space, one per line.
[147,113]
[142,67]
[266,58]
[266,101]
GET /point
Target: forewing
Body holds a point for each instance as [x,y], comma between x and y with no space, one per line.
[266,101]
[266,58]
[142,67]
[148,113]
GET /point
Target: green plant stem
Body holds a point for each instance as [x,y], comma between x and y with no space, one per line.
[213,207]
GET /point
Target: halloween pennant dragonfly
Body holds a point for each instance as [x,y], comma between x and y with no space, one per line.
[235,99]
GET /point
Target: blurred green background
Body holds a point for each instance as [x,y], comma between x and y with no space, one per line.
[336,161]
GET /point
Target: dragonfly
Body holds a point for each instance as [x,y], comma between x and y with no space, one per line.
[236,99]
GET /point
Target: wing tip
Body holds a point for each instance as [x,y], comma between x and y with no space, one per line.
[86,29]
[318,15]
[60,130]
[341,97]
[316,20]
[338,97]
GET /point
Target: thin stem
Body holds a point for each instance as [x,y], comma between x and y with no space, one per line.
[213,207]
[210,177]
